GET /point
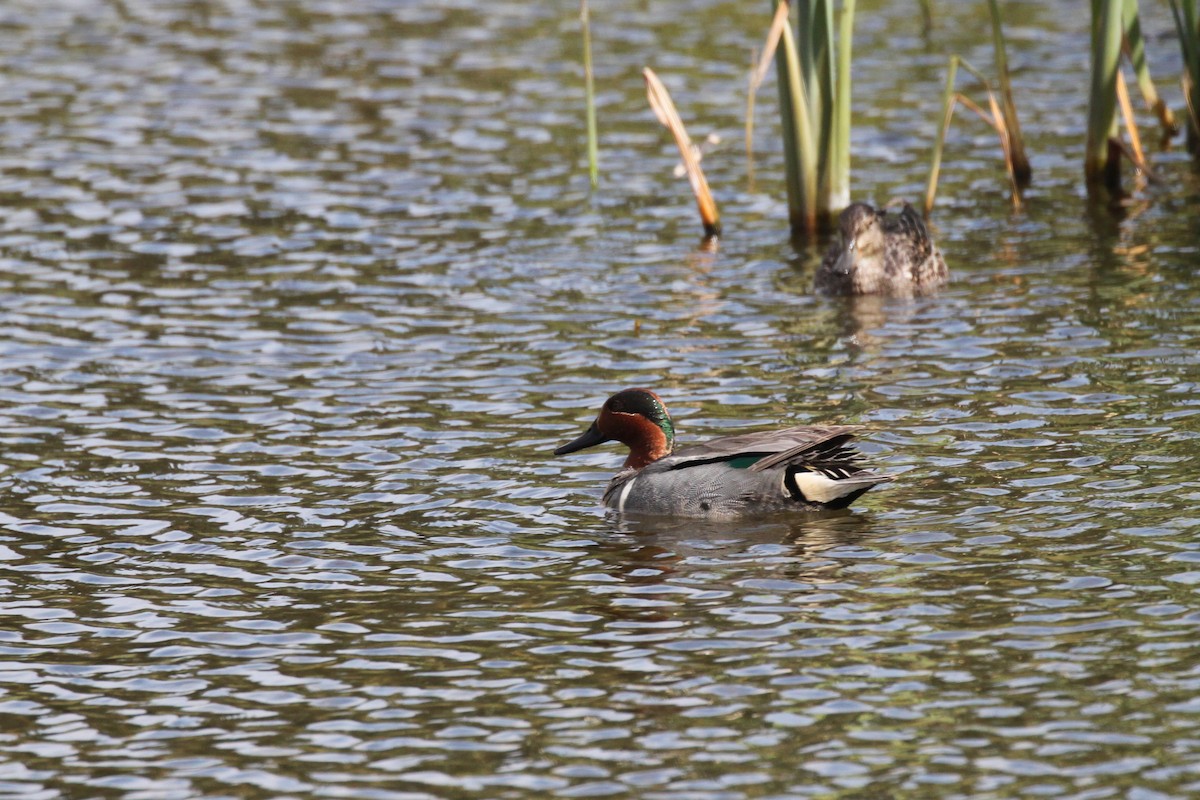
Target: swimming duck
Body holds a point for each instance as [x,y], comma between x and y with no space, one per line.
[881,253]
[806,468]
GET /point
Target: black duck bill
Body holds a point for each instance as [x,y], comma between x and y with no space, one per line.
[590,438]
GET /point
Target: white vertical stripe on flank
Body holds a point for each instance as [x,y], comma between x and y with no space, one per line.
[624,494]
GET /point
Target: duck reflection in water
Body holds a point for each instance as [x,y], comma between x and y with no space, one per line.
[651,550]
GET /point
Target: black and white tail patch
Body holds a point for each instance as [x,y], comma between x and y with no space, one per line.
[834,487]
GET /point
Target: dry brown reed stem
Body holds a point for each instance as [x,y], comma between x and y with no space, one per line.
[1018,162]
[996,120]
[773,36]
[759,73]
[1136,154]
[664,110]
[1012,158]
[1006,145]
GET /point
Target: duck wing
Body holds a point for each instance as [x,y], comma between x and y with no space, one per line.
[907,231]
[823,468]
[816,445]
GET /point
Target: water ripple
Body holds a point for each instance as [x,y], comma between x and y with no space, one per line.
[295,317]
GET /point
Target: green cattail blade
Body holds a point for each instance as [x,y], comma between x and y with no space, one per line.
[593,148]
[935,166]
[839,182]
[1192,96]
[821,97]
[1184,14]
[814,102]
[1102,159]
[1135,49]
[787,117]
[802,166]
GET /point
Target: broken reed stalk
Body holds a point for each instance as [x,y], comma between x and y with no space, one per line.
[1021,171]
[1102,158]
[1187,26]
[1134,47]
[664,110]
[1136,154]
[995,119]
[593,148]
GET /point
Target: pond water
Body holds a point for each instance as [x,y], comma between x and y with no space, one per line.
[298,298]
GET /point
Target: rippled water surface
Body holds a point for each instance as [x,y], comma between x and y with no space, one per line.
[298,297]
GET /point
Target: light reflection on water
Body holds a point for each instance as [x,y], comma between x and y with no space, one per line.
[299,298]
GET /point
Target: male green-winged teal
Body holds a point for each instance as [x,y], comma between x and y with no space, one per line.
[807,468]
[881,253]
